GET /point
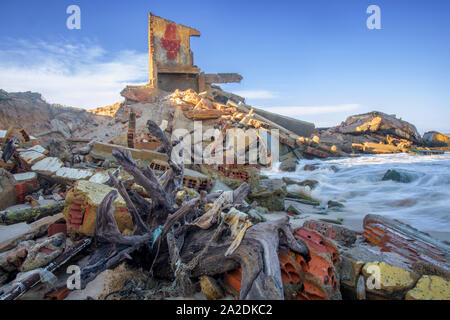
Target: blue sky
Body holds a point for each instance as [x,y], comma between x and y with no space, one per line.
[311,59]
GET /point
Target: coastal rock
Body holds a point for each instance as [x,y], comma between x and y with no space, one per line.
[436,139]
[392,280]
[379,122]
[270,194]
[430,288]
[337,233]
[288,165]
[398,176]
[335,204]
[310,183]
[309,167]
[294,210]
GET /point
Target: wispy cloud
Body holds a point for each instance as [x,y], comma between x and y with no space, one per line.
[256,94]
[81,75]
[298,111]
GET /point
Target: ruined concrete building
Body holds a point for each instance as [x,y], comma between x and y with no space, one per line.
[171,63]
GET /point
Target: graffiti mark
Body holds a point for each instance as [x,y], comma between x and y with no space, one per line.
[169,42]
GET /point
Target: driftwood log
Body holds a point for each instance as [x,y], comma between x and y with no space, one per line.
[167,242]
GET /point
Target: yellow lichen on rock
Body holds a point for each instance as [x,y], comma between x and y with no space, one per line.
[391,279]
[430,288]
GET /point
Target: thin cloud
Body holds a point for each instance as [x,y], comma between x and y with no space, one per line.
[256,94]
[298,111]
[81,75]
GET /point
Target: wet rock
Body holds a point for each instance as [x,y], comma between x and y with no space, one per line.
[310,183]
[288,165]
[339,234]
[302,198]
[430,288]
[398,176]
[294,210]
[309,167]
[270,194]
[335,204]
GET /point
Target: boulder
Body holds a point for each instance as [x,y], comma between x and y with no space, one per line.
[430,288]
[379,122]
[398,176]
[288,165]
[309,167]
[436,139]
[270,193]
[389,279]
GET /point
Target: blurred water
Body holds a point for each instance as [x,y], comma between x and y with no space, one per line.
[423,203]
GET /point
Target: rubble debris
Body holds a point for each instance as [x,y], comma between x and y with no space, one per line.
[81,205]
[395,236]
[270,193]
[339,234]
[28,213]
[37,276]
[47,166]
[121,182]
[430,288]
[288,165]
[392,280]
[37,229]
[211,288]
[7,191]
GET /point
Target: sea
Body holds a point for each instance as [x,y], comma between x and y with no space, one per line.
[357,182]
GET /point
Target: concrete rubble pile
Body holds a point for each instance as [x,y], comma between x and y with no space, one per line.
[62,204]
[116,198]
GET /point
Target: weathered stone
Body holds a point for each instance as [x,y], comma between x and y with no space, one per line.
[430,288]
[339,234]
[288,165]
[7,191]
[392,280]
[310,183]
[355,257]
[379,122]
[334,204]
[436,139]
[270,194]
[294,210]
[44,252]
[309,167]
[398,176]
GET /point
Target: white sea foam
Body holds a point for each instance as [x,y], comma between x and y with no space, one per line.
[423,203]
